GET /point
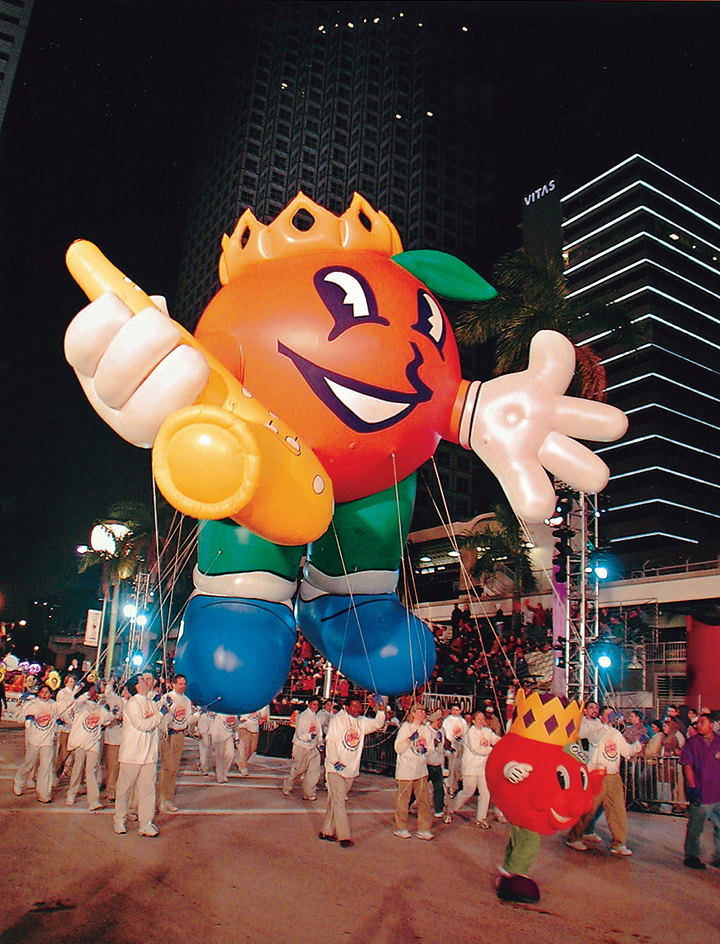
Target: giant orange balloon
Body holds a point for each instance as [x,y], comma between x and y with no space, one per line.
[357,357]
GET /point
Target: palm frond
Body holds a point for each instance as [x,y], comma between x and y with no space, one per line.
[533,296]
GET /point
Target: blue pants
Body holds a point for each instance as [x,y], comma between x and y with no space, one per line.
[697,816]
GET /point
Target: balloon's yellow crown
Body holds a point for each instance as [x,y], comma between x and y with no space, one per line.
[304,226]
[551,719]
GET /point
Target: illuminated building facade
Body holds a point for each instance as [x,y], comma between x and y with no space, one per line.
[335,98]
[640,236]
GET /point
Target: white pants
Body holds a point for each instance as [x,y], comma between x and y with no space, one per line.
[470,785]
[336,819]
[205,750]
[143,777]
[305,767]
[42,757]
[454,768]
[247,745]
[89,760]
[224,752]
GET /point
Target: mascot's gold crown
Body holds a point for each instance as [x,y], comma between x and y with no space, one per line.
[551,719]
[360,227]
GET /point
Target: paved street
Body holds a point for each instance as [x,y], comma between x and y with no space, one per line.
[241,863]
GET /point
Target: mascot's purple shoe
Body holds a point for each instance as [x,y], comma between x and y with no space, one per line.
[234,652]
[370,638]
[517,888]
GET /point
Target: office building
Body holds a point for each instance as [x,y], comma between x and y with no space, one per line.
[14,18]
[640,237]
[336,98]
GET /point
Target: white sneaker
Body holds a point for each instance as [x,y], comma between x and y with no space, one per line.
[120,828]
[576,844]
[425,834]
[621,851]
[591,837]
[447,817]
[482,824]
[151,830]
[17,790]
[244,772]
[70,800]
[402,833]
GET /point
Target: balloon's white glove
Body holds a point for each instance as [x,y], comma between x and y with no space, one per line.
[516,772]
[133,368]
[521,422]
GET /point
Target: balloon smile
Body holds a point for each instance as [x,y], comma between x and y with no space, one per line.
[559,818]
[363,407]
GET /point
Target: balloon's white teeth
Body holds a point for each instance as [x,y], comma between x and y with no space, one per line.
[370,410]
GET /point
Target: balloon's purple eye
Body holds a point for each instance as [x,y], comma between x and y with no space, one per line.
[348,297]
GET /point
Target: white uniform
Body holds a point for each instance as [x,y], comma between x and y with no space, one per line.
[85,739]
[413,744]
[591,730]
[307,740]
[222,734]
[64,699]
[138,760]
[248,736]
[41,719]
[454,727]
[477,744]
[112,738]
[343,751]
[174,728]
[204,724]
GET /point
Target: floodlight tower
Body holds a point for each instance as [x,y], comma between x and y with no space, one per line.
[577,534]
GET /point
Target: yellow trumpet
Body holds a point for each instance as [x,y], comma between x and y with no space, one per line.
[226,456]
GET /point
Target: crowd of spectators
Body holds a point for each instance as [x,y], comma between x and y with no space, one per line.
[483,657]
[480,658]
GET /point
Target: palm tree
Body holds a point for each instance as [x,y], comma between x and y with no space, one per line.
[499,546]
[532,296]
[130,548]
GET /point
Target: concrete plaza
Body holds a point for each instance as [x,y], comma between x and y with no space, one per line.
[241,863]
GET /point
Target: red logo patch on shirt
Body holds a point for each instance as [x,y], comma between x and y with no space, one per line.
[351,739]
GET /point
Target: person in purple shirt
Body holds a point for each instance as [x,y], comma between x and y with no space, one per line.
[700,758]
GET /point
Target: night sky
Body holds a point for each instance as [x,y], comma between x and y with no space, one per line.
[99,142]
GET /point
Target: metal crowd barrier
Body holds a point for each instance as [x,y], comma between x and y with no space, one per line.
[378,755]
[655,785]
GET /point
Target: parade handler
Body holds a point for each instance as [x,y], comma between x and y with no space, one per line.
[538,777]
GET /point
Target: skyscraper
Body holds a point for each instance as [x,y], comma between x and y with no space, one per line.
[639,236]
[336,98]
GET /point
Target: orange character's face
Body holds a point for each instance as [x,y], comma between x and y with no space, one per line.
[349,349]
